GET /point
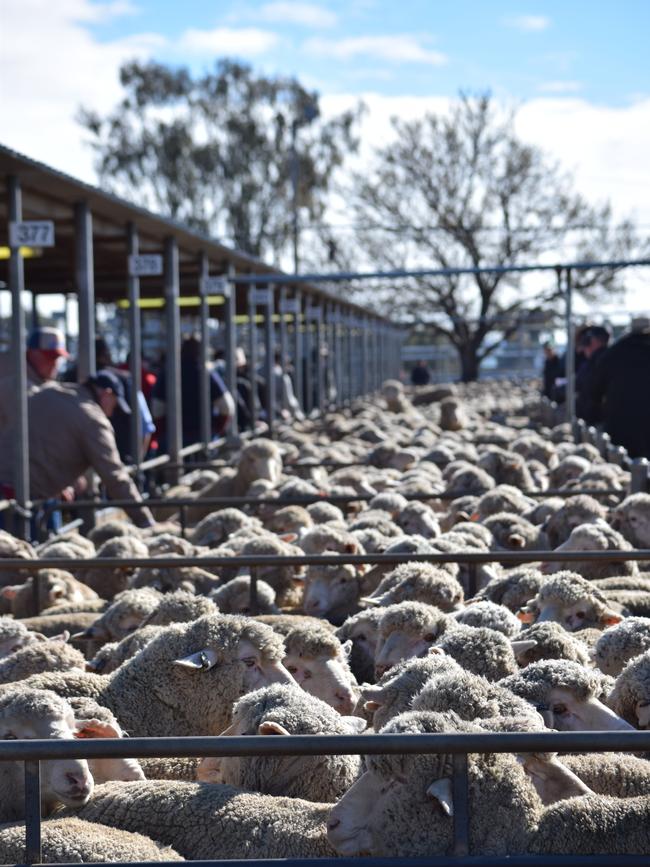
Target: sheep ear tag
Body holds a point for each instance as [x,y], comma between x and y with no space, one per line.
[440,791]
[202,660]
[289,537]
[271,728]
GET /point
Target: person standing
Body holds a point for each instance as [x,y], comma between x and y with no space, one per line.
[420,375]
[620,389]
[553,369]
[593,343]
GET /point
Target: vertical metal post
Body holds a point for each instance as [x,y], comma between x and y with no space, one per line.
[460,797]
[269,361]
[309,359]
[19,363]
[350,359]
[230,294]
[173,360]
[365,357]
[135,346]
[283,328]
[569,361]
[321,397]
[35,317]
[252,354]
[205,404]
[33,811]
[85,280]
[298,351]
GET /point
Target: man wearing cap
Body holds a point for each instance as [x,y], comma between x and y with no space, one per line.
[70,433]
[45,346]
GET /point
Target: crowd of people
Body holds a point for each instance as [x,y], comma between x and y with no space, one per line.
[612,382]
[76,427]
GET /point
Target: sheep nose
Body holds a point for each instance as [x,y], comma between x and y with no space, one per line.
[345,701]
[79,783]
[332,824]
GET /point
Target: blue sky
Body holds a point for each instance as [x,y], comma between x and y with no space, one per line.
[523,49]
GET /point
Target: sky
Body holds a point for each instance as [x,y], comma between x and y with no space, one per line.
[577,71]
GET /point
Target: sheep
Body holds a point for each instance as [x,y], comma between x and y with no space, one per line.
[126,612]
[615,774]
[361,629]
[569,599]
[513,533]
[70,545]
[630,697]
[219,821]
[581,509]
[14,635]
[109,582]
[632,519]
[259,459]
[285,580]
[402,805]
[506,468]
[286,710]
[489,614]
[323,513]
[479,650]
[597,536]
[452,414]
[569,468]
[473,697]
[373,519]
[53,586]
[469,480]
[70,840]
[503,498]
[549,640]
[635,603]
[12,548]
[34,713]
[38,657]
[396,690]
[418,582]
[594,824]
[179,607]
[289,519]
[215,528]
[392,391]
[332,592]
[408,629]
[620,643]
[570,692]
[111,529]
[327,538]
[168,579]
[186,680]
[234,597]
[513,589]
[318,662]
[405,545]
[389,501]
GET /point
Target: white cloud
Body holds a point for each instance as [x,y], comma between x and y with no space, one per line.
[560,87]
[395,49]
[51,64]
[306,14]
[529,23]
[247,41]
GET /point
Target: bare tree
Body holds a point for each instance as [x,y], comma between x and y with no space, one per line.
[461,190]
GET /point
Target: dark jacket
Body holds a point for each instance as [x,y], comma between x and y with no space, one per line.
[553,369]
[621,392]
[420,375]
[586,408]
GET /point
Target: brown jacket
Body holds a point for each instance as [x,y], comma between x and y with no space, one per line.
[69,434]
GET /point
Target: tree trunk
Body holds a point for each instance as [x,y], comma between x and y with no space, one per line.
[469,362]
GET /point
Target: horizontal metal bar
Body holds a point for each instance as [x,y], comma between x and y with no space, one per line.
[400,273]
[318,745]
[431,861]
[340,499]
[239,561]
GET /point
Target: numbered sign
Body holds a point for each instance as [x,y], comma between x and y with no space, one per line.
[215,286]
[31,233]
[146,265]
[262,296]
[290,305]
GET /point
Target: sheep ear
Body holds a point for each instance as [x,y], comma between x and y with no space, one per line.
[370,600]
[522,646]
[436,651]
[610,618]
[289,537]
[272,728]
[10,591]
[475,516]
[371,706]
[62,636]
[440,791]
[88,634]
[346,647]
[526,616]
[355,724]
[95,728]
[202,660]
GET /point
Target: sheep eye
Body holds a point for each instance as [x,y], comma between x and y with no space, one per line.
[361,638]
[9,737]
[580,615]
[292,669]
[307,674]
[559,709]
[249,662]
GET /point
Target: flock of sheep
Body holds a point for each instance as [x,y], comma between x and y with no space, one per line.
[344,649]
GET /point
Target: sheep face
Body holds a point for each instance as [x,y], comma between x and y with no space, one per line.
[572,714]
[398,645]
[632,520]
[419,520]
[13,636]
[258,464]
[326,677]
[350,828]
[332,592]
[586,613]
[42,715]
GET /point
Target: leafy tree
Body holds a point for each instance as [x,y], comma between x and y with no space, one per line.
[462,190]
[216,151]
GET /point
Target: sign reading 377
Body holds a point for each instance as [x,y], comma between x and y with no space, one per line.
[31,233]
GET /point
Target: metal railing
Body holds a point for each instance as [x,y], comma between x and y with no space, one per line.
[459,746]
